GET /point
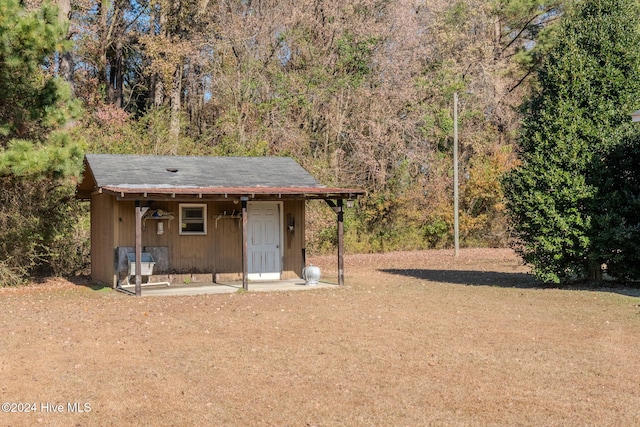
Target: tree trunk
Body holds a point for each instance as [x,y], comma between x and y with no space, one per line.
[195,101]
[595,274]
[157,86]
[117,76]
[65,65]
[176,92]
[103,77]
[159,18]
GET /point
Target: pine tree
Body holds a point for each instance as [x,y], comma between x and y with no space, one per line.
[36,154]
[33,103]
[587,87]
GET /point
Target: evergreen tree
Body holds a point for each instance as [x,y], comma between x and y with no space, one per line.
[33,103]
[587,87]
[617,210]
[36,155]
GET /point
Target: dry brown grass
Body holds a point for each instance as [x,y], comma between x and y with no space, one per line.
[414,339]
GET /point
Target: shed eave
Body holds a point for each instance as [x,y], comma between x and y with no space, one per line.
[163,192]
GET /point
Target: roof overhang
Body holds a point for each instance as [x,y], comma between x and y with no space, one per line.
[161,187]
[224,193]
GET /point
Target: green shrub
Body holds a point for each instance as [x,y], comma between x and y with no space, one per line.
[43,229]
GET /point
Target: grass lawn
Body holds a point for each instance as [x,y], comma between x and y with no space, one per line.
[415,338]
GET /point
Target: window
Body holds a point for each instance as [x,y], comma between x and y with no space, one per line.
[193,219]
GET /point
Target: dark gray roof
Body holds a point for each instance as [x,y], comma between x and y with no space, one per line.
[137,176]
[138,171]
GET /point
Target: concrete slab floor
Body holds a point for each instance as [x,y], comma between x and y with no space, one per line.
[226,287]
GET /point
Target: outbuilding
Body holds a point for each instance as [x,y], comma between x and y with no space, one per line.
[227,217]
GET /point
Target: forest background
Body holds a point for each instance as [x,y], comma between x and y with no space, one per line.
[359,93]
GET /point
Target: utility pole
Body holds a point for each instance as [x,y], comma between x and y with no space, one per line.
[456,225]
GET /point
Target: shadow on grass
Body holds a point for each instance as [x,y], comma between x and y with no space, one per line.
[470,277]
[507,280]
[85,281]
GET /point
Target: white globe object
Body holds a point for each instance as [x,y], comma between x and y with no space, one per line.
[311,275]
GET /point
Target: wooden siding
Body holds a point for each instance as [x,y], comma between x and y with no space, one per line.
[228,241]
[219,251]
[126,232]
[103,241]
[293,241]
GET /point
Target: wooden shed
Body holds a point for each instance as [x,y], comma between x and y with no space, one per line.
[228,217]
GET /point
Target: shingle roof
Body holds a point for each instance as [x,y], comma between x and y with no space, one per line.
[128,174]
[178,171]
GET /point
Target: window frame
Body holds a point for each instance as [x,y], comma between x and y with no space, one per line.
[202,220]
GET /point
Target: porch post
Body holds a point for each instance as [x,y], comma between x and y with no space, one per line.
[340,212]
[138,249]
[245,246]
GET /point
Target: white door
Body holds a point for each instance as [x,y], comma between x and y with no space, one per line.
[263,224]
